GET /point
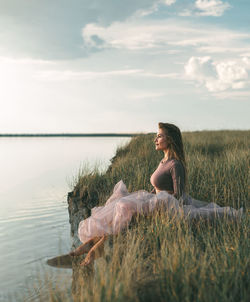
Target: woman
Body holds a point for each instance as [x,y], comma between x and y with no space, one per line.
[171,172]
[169,182]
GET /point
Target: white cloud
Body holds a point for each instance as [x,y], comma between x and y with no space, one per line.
[149,35]
[232,94]
[169,2]
[218,76]
[146,12]
[122,35]
[231,71]
[246,60]
[153,9]
[223,49]
[199,68]
[66,75]
[69,75]
[15,71]
[214,8]
[161,75]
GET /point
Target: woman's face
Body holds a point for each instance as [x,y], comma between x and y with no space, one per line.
[161,140]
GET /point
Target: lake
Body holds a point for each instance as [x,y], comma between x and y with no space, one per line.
[36,175]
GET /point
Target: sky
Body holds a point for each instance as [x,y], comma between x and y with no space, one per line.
[123,66]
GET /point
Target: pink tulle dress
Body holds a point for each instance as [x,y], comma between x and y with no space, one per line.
[119,209]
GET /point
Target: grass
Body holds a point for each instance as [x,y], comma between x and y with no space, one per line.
[162,258]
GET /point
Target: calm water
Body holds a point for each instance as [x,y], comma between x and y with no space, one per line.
[35,176]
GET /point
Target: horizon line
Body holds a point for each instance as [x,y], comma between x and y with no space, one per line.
[66,134]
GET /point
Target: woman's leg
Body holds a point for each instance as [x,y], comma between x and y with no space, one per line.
[85,247]
[94,252]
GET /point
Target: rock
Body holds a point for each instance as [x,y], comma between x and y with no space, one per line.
[79,208]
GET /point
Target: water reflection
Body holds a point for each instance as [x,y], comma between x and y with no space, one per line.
[35,177]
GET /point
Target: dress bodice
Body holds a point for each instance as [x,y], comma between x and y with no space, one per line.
[169,176]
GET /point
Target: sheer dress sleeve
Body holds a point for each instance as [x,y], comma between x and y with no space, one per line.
[178,176]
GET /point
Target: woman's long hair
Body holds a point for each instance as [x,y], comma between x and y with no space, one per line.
[175,144]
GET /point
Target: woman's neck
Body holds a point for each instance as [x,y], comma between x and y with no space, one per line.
[166,155]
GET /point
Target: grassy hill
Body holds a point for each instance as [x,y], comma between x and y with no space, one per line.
[167,259]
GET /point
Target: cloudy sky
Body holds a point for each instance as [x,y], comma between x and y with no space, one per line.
[123,66]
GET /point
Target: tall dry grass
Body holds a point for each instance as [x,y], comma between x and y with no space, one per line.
[162,258]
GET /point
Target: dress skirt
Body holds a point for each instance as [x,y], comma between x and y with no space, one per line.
[121,206]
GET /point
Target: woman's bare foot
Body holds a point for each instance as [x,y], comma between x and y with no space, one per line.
[88,259]
[83,248]
[94,252]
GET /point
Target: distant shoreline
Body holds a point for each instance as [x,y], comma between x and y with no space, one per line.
[106,134]
[69,135]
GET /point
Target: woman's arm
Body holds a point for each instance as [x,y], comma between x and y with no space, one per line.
[153,191]
[178,175]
